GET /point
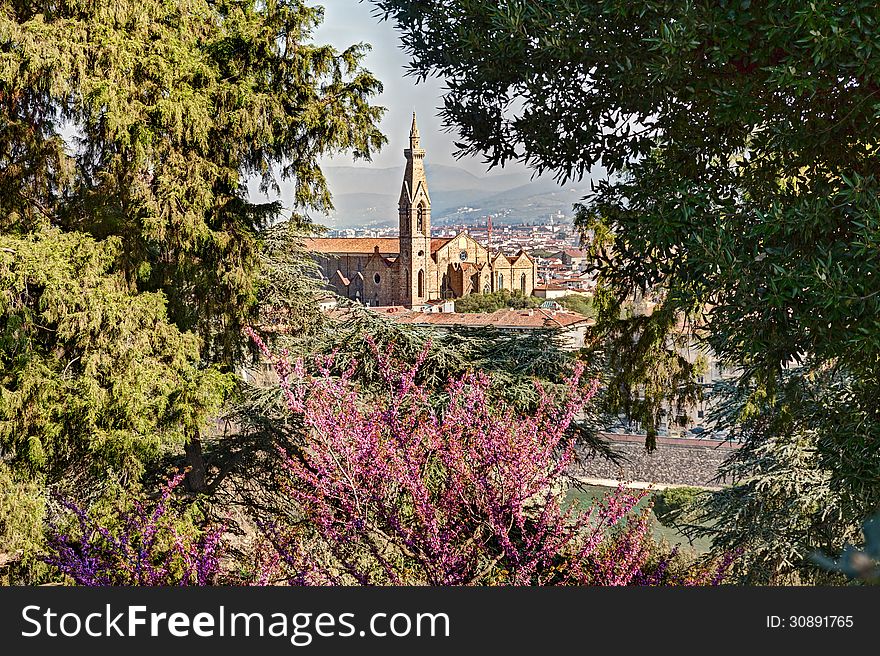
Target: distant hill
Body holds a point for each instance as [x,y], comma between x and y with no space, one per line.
[365,195]
[361,179]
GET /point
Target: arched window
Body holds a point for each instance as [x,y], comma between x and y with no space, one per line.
[522,283]
[421,283]
[500,281]
[377,278]
[420,218]
[486,289]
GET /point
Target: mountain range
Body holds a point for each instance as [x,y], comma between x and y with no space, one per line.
[368,196]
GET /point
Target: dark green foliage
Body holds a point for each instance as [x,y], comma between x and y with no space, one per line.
[791,490]
[743,196]
[22,511]
[174,107]
[289,280]
[671,503]
[144,212]
[514,360]
[495,301]
[578,303]
[94,380]
[130,254]
[643,357]
[860,564]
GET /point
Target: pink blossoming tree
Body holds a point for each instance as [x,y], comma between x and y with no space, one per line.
[400,489]
[397,487]
[145,544]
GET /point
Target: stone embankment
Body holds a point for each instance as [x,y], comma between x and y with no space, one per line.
[675,461]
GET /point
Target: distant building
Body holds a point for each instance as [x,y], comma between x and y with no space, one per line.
[573,257]
[327,303]
[571,325]
[443,305]
[551,291]
[414,268]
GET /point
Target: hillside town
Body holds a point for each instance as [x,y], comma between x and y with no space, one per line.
[415,274]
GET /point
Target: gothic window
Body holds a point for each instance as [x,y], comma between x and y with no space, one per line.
[376,278]
[421,284]
[500,281]
[522,283]
[486,288]
[420,218]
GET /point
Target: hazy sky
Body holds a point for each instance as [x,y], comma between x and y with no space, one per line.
[350,21]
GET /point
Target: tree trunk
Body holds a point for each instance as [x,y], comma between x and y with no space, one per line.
[197,478]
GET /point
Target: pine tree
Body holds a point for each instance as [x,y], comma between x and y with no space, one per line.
[131,255]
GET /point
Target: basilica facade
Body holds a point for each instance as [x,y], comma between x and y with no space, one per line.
[415,268]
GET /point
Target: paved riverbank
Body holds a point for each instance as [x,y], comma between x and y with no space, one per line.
[636,485]
[674,462]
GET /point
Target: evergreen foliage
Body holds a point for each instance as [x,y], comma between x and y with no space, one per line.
[130,253]
[94,380]
[860,564]
[495,301]
[289,279]
[791,493]
[22,512]
[173,107]
[578,303]
[739,141]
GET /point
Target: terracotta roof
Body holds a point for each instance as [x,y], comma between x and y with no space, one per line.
[439,242]
[392,310]
[364,245]
[536,318]
[574,252]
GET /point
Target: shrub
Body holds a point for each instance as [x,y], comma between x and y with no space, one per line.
[135,543]
[396,489]
[671,503]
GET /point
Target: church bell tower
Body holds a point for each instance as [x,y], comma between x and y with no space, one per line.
[414,209]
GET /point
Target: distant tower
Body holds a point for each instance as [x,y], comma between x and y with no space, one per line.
[489,234]
[414,208]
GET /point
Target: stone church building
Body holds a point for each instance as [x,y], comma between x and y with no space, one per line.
[415,268]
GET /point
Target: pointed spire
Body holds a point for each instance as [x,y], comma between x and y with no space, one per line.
[414,203]
[414,134]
